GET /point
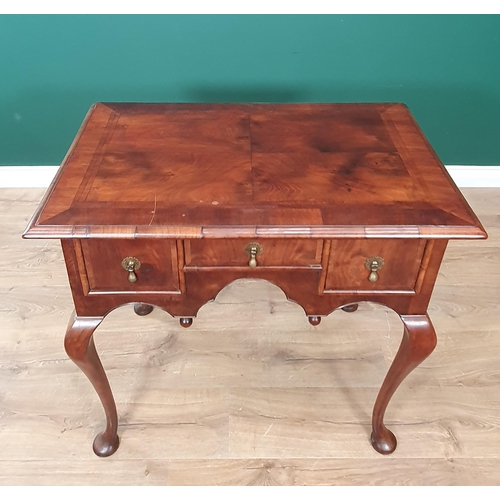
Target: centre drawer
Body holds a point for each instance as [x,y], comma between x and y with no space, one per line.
[236,252]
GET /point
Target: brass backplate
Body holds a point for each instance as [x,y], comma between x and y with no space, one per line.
[369,263]
[253,248]
[131,264]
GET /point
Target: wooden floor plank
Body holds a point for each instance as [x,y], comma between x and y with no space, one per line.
[251,393]
[255,472]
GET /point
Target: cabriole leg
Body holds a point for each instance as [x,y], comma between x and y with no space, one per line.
[419,340]
[79,345]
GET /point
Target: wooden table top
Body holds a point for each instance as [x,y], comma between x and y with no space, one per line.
[267,170]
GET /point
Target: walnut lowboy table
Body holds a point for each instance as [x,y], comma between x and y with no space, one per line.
[165,204]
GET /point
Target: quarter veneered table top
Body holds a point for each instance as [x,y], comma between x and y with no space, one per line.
[215,170]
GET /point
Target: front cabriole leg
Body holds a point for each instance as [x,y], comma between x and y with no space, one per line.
[419,340]
[79,345]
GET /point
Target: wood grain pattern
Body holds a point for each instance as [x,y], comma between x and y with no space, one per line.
[283,168]
[231,252]
[195,394]
[347,271]
[278,170]
[419,340]
[80,347]
[158,270]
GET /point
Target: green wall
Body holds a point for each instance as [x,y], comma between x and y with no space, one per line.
[445,68]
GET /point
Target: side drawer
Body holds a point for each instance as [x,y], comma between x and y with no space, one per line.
[158,271]
[347,265]
[284,252]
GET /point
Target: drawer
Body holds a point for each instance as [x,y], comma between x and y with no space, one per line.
[158,271]
[231,253]
[347,265]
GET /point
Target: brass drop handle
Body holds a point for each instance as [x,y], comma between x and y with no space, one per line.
[374,264]
[253,254]
[252,250]
[131,264]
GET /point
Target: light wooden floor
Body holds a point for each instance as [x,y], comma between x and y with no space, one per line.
[251,393]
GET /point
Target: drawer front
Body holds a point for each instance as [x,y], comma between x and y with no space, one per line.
[347,265]
[158,271]
[231,253]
